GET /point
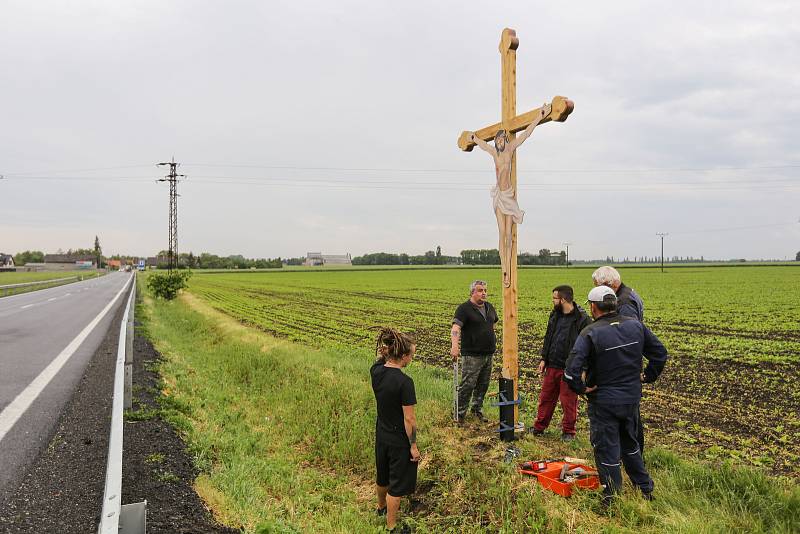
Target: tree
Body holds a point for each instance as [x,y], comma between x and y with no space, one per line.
[29,256]
[97,251]
[797,258]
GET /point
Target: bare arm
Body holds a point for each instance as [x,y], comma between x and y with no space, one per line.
[545,111]
[483,144]
[410,422]
[455,338]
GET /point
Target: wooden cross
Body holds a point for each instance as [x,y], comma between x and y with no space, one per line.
[561,107]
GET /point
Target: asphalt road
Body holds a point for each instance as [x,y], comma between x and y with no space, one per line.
[47,337]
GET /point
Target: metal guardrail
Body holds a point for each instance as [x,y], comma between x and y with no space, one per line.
[6,289]
[118,518]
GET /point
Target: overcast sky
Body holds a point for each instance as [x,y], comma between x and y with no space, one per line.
[332,126]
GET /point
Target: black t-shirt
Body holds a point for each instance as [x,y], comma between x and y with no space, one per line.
[393,390]
[477,328]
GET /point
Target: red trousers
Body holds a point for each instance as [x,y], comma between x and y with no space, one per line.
[553,390]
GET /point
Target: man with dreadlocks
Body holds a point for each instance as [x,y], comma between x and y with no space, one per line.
[396,451]
[504,199]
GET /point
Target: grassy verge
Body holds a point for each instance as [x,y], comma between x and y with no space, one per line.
[284,437]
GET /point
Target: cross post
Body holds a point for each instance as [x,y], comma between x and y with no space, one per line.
[512,123]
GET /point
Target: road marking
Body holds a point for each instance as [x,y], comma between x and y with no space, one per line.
[26,306]
[51,299]
[11,414]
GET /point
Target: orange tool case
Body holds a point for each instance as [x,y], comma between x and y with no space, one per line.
[548,473]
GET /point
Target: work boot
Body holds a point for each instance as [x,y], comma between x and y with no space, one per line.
[535,431]
[380,511]
[605,503]
[479,414]
[401,529]
[566,438]
[648,496]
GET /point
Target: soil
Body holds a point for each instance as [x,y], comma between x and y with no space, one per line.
[63,490]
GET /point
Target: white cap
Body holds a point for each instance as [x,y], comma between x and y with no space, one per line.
[602,293]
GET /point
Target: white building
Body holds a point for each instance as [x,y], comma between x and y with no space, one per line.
[318,258]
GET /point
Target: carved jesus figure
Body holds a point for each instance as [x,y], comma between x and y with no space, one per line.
[504,200]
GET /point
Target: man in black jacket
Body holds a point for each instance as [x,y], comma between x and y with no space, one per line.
[473,327]
[565,323]
[629,303]
[610,350]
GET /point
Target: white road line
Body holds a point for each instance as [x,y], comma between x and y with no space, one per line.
[51,299]
[26,306]
[11,414]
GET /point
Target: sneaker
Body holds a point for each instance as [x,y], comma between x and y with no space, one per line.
[648,496]
[380,511]
[401,529]
[479,414]
[535,431]
[566,438]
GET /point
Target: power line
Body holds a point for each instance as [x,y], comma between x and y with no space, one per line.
[95,169]
[528,171]
[431,170]
[742,185]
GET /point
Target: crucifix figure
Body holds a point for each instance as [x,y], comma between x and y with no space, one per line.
[505,191]
[504,194]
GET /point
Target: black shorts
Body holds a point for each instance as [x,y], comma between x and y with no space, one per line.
[395,469]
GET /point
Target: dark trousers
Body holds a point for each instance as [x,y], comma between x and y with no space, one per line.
[613,431]
[475,374]
[553,390]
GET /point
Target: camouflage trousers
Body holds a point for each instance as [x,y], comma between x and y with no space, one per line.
[475,374]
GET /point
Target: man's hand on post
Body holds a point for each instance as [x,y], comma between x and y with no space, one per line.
[454,352]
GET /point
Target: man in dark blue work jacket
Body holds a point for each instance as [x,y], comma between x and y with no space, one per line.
[610,350]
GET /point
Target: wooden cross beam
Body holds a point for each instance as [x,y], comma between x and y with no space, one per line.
[512,123]
[561,107]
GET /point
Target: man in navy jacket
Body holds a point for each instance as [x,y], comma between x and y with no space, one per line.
[610,350]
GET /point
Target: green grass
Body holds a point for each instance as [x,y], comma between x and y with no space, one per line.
[717,323]
[283,434]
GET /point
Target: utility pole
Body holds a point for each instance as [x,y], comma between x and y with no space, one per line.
[172,178]
[567,245]
[662,249]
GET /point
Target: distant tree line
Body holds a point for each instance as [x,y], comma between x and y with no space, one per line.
[466,257]
[206,260]
[431,257]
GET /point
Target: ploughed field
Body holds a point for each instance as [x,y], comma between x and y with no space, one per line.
[729,391]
